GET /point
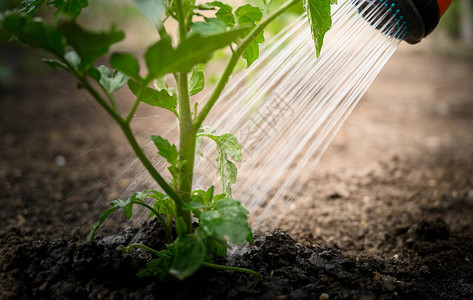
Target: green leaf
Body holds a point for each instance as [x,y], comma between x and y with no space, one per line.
[248,15]
[88,45]
[251,53]
[227,221]
[197,82]
[163,205]
[227,145]
[111,82]
[71,8]
[73,59]
[320,20]
[30,7]
[153,9]
[162,59]
[224,13]
[209,27]
[55,64]
[127,64]
[190,254]
[161,264]
[127,205]
[34,32]
[166,149]
[154,98]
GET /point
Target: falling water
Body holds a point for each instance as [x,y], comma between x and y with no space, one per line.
[287,107]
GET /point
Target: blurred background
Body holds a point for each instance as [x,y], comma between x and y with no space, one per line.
[405,153]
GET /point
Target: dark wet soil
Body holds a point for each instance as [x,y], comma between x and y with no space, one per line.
[438,265]
[387,215]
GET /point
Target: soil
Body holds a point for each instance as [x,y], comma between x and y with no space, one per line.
[386,215]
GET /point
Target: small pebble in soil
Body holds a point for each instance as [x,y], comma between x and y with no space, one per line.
[324,296]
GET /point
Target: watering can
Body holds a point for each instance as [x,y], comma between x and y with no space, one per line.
[417,18]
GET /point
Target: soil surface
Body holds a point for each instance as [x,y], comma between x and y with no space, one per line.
[387,214]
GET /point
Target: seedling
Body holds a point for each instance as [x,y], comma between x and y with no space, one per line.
[220,218]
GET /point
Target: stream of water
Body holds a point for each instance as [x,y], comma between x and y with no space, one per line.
[287,107]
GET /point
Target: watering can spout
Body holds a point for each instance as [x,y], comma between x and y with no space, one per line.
[417,18]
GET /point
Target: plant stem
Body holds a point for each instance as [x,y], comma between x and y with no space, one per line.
[233,61]
[144,247]
[166,229]
[187,136]
[234,269]
[186,150]
[147,164]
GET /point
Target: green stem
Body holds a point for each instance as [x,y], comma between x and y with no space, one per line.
[186,149]
[147,164]
[181,19]
[146,248]
[161,220]
[234,60]
[187,136]
[132,112]
[234,269]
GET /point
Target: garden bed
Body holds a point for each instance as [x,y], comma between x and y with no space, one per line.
[388,213]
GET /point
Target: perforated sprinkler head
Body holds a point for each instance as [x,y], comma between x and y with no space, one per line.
[414,18]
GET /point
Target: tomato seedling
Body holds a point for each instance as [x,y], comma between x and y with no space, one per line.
[220,218]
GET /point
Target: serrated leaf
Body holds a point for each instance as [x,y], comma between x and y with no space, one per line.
[166,149]
[196,82]
[89,45]
[72,59]
[163,205]
[248,14]
[55,64]
[34,32]
[110,82]
[127,64]
[162,59]
[71,8]
[320,20]
[153,9]
[30,7]
[154,98]
[127,205]
[251,53]
[224,13]
[189,256]
[209,27]
[161,264]
[227,145]
[227,221]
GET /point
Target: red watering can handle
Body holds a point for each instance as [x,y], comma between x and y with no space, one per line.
[443,5]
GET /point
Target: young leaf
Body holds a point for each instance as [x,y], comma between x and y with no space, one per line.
[228,221]
[155,98]
[196,82]
[162,264]
[108,82]
[127,205]
[162,59]
[251,53]
[71,8]
[190,254]
[320,20]
[34,32]
[127,64]
[163,205]
[89,46]
[248,15]
[30,7]
[209,27]
[224,13]
[166,150]
[227,145]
